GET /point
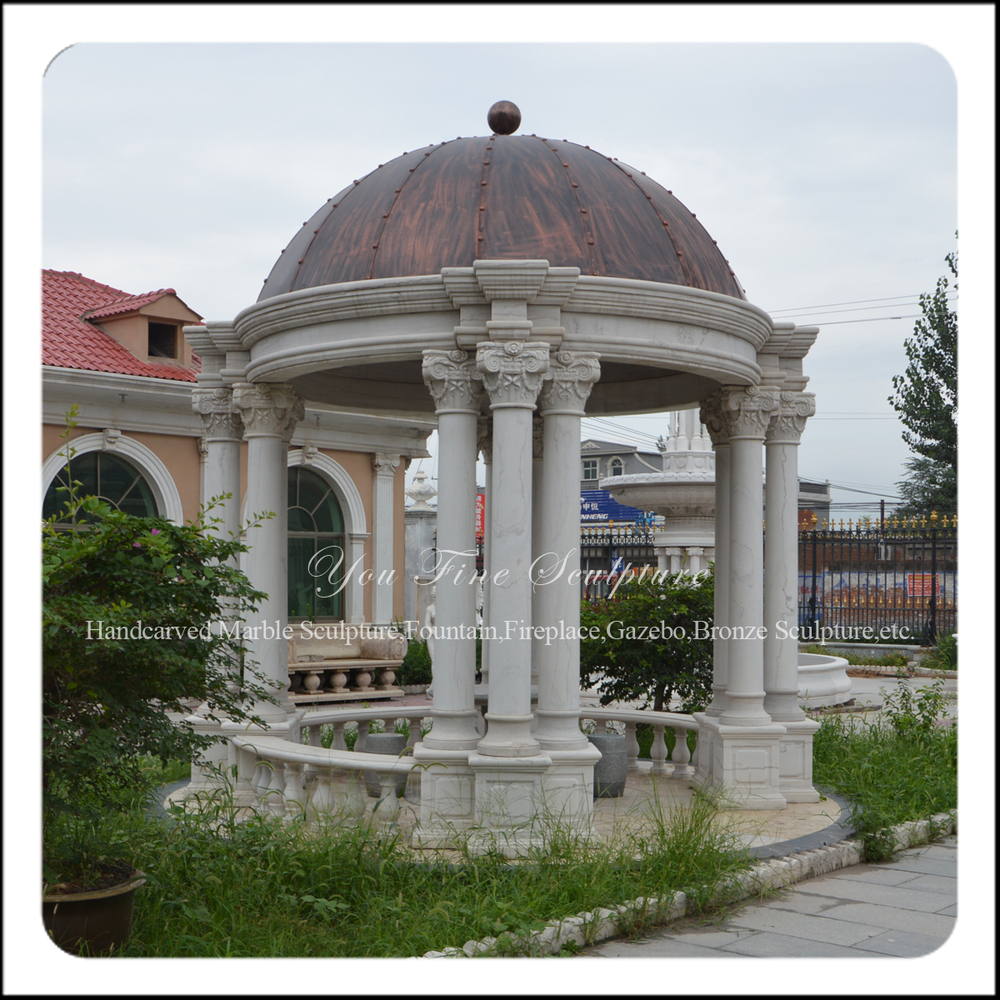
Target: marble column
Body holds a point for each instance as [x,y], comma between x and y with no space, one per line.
[484,442]
[711,417]
[781,654]
[223,437]
[512,374]
[454,382]
[269,413]
[747,412]
[561,404]
[384,497]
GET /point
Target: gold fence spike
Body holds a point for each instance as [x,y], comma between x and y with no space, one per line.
[934,518]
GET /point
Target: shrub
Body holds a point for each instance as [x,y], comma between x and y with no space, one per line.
[637,666]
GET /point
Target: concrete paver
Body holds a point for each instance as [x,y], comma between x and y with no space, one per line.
[868,911]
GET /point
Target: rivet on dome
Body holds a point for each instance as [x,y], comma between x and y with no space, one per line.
[482,184]
[566,165]
[398,190]
[374,246]
[591,242]
[357,182]
[427,153]
[482,208]
[385,215]
[670,192]
[575,184]
[412,169]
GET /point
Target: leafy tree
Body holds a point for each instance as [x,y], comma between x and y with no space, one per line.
[926,399]
[128,609]
[632,665]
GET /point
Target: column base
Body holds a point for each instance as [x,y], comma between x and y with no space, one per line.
[568,791]
[740,764]
[508,736]
[453,730]
[559,730]
[795,761]
[510,813]
[447,797]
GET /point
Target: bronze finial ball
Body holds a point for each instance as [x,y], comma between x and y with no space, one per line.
[504,117]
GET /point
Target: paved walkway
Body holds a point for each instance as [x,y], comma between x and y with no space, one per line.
[903,908]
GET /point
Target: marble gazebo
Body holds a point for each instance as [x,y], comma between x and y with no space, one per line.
[510,284]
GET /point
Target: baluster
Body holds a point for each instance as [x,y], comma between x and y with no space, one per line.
[322,794]
[363,727]
[354,800]
[296,796]
[275,800]
[658,752]
[631,747]
[260,781]
[414,738]
[339,743]
[243,793]
[315,736]
[385,812]
[681,755]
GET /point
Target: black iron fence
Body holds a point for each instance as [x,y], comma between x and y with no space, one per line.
[609,550]
[892,580]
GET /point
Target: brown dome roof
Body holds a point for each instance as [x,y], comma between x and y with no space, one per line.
[502,197]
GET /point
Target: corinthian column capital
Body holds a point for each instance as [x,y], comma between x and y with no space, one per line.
[573,376]
[711,416]
[215,407]
[453,380]
[513,372]
[789,421]
[747,410]
[268,409]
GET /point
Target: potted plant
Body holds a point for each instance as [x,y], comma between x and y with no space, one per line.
[130,614]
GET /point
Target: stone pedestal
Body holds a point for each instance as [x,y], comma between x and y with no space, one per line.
[511,808]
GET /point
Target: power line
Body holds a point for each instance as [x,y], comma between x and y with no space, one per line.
[855,302]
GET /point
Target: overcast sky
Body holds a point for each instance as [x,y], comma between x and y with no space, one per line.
[816,143]
[826,172]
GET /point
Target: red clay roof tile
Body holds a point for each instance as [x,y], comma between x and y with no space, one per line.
[69,341]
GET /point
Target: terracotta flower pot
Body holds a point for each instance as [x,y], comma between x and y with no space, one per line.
[92,923]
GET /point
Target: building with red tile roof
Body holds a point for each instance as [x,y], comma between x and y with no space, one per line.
[94,327]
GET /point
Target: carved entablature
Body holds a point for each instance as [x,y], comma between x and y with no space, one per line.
[454,381]
[268,409]
[513,372]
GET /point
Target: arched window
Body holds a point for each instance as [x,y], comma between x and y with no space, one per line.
[617,467]
[317,556]
[103,475]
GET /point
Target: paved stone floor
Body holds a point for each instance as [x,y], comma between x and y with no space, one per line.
[902,908]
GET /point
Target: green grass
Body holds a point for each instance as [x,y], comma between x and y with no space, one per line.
[901,767]
[264,887]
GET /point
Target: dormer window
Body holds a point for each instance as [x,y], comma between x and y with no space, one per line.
[162,340]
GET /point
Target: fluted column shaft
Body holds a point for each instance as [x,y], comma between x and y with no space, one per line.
[561,404]
[269,413]
[781,655]
[454,382]
[484,442]
[747,412]
[512,375]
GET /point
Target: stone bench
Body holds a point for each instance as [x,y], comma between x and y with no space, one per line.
[348,663]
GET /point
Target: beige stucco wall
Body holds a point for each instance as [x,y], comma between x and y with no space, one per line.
[180,455]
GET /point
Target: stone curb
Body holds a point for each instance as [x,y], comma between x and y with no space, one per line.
[600,925]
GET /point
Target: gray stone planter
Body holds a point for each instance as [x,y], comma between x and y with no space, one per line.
[390,744]
[611,770]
